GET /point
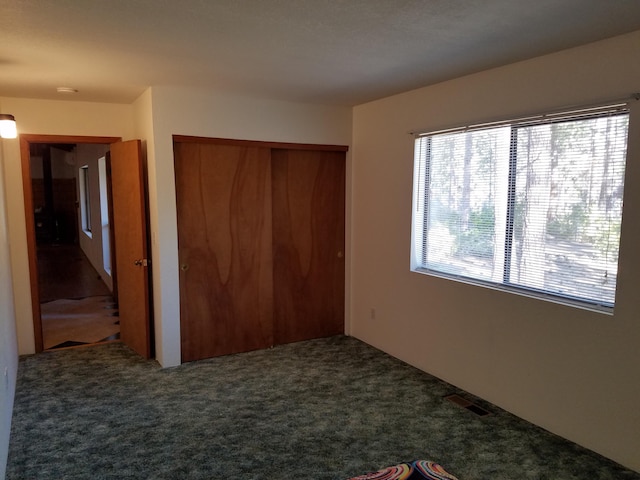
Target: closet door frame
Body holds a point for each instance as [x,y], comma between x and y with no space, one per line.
[271,146]
[260,144]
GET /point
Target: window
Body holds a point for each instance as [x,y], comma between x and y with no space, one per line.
[85,199]
[533,205]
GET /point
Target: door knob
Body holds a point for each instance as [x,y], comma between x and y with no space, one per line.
[184,267]
[143,262]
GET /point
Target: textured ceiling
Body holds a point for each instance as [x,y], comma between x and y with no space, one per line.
[319,51]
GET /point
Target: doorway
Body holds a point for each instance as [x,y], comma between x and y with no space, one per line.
[73,245]
[56,230]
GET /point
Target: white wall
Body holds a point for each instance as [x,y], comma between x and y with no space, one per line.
[8,340]
[571,371]
[181,111]
[46,117]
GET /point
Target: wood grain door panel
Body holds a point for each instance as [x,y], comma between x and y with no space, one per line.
[130,235]
[308,243]
[224,241]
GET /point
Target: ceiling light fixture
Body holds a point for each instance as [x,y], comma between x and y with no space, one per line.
[66,90]
[8,126]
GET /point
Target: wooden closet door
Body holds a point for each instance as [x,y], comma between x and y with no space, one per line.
[308,243]
[224,241]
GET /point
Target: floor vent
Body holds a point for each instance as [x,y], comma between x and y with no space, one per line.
[464,403]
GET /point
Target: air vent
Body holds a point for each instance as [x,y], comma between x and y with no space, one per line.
[464,403]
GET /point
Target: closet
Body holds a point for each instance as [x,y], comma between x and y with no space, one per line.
[261,244]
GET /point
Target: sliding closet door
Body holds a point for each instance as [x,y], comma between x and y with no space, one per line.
[308,243]
[224,241]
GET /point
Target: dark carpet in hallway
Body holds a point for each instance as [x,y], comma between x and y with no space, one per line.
[323,409]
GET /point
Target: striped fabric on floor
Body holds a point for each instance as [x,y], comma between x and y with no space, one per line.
[418,470]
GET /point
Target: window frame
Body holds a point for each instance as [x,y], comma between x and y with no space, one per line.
[561,115]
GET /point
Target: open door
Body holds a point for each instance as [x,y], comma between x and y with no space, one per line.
[130,235]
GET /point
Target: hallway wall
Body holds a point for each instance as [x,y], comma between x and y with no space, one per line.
[46,117]
[8,339]
[93,244]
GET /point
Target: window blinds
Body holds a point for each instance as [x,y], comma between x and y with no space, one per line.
[533,204]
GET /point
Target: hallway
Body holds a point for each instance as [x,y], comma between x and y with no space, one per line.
[77,308]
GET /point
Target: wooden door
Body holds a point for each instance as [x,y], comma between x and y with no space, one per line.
[308,243]
[224,242]
[130,235]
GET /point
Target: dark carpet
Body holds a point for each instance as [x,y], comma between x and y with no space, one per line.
[323,409]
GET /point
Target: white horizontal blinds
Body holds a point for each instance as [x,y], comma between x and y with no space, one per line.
[534,204]
[568,206]
[421,176]
[467,203]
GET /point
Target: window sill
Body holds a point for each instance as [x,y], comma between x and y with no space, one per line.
[523,292]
